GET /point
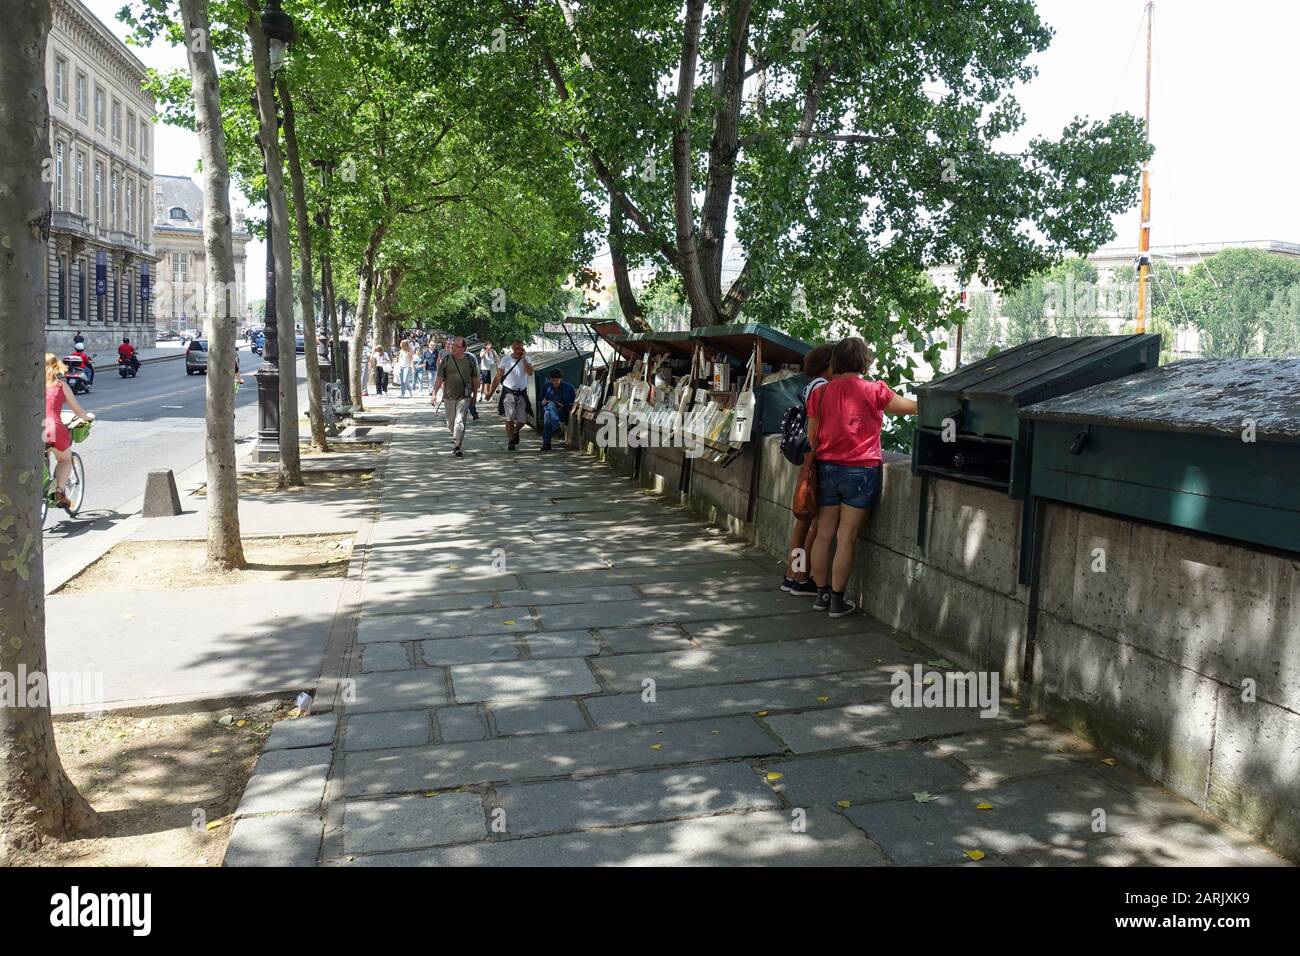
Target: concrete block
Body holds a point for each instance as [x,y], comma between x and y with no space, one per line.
[974,534]
[298,732]
[522,679]
[879,722]
[864,776]
[286,780]
[400,823]
[457,724]
[469,650]
[161,499]
[537,717]
[406,728]
[399,690]
[386,656]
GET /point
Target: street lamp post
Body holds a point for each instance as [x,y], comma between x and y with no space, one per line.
[280,33]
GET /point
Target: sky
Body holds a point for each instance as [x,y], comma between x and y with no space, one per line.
[1223,115]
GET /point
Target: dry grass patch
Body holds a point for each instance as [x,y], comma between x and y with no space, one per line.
[166,565]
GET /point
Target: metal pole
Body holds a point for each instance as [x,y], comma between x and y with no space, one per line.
[1144,230]
[268,373]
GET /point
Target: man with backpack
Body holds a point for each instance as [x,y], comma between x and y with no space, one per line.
[513,372]
[458,375]
[794,446]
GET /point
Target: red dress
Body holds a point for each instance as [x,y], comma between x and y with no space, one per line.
[56,433]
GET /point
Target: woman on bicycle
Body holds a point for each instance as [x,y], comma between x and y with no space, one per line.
[56,434]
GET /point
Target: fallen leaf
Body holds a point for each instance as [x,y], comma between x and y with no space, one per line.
[924,796]
[430,794]
[773,775]
[240,723]
[880,660]
[1109,761]
[761,713]
[983,806]
[216,750]
[656,746]
[508,623]
[843,804]
[823,699]
[216,823]
[928,681]
[908,647]
[940,662]
[295,712]
[975,854]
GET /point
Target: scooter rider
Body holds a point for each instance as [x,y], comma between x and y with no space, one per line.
[126,354]
[79,351]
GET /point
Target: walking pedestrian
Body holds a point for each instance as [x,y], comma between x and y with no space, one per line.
[512,377]
[844,419]
[406,369]
[458,374]
[557,398]
[381,370]
[816,365]
[488,363]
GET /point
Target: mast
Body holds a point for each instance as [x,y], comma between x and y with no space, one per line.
[1144,229]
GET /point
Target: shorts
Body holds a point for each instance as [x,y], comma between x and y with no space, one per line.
[515,407]
[857,486]
[487,377]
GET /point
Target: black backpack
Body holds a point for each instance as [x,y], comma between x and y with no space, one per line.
[794,430]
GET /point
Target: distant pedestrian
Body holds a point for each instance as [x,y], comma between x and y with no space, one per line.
[557,398]
[380,358]
[458,376]
[513,373]
[406,369]
[488,363]
[816,365]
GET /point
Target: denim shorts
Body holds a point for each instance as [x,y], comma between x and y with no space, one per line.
[857,486]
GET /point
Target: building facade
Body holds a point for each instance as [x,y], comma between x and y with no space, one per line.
[182,262]
[101,259]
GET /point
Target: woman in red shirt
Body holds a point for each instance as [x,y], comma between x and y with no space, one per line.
[844,419]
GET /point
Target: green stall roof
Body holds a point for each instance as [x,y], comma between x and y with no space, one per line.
[737,340]
[642,343]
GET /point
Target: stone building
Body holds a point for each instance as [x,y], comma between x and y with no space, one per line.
[182,265]
[101,259]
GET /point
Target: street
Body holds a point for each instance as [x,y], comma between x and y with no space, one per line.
[152,421]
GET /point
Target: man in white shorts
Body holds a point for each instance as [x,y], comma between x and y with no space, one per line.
[513,372]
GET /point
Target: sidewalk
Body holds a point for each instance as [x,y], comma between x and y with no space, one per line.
[553,668]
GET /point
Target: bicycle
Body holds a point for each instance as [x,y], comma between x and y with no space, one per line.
[76,486]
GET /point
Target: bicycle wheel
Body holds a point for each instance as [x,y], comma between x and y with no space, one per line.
[76,489]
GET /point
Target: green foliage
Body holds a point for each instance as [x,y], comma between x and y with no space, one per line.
[982,333]
[1281,320]
[1232,299]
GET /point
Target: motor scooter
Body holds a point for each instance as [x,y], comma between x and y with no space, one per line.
[127,369]
[76,376]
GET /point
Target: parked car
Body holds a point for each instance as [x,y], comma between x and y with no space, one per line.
[196,357]
[167,335]
[299,345]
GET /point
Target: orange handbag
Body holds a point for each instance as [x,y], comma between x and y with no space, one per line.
[804,505]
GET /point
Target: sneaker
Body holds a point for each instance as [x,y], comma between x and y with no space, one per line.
[787,583]
[823,600]
[459,453]
[840,605]
[510,446]
[802,587]
[546,448]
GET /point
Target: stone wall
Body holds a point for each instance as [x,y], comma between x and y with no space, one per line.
[1145,634]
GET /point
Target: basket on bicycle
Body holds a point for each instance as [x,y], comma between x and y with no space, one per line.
[80,431]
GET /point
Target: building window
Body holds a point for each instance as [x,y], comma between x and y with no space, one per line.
[130,131]
[58,177]
[99,107]
[128,205]
[112,201]
[176,212]
[99,194]
[117,121]
[82,310]
[81,183]
[143,221]
[63,288]
[82,83]
[144,139]
[61,79]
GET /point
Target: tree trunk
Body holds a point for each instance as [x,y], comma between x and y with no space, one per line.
[36,796]
[306,293]
[278,210]
[627,301]
[702,311]
[361,317]
[225,549]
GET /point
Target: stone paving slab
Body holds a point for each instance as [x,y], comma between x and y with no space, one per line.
[399,690]
[553,755]
[863,725]
[286,780]
[544,644]
[996,755]
[864,776]
[387,592]
[721,700]
[504,681]
[537,717]
[720,571]
[635,640]
[400,823]
[293,734]
[1205,843]
[797,623]
[456,724]
[285,840]
[393,627]
[544,596]
[385,656]
[1028,814]
[660,610]
[470,650]
[762,838]
[726,665]
[626,798]
[383,730]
